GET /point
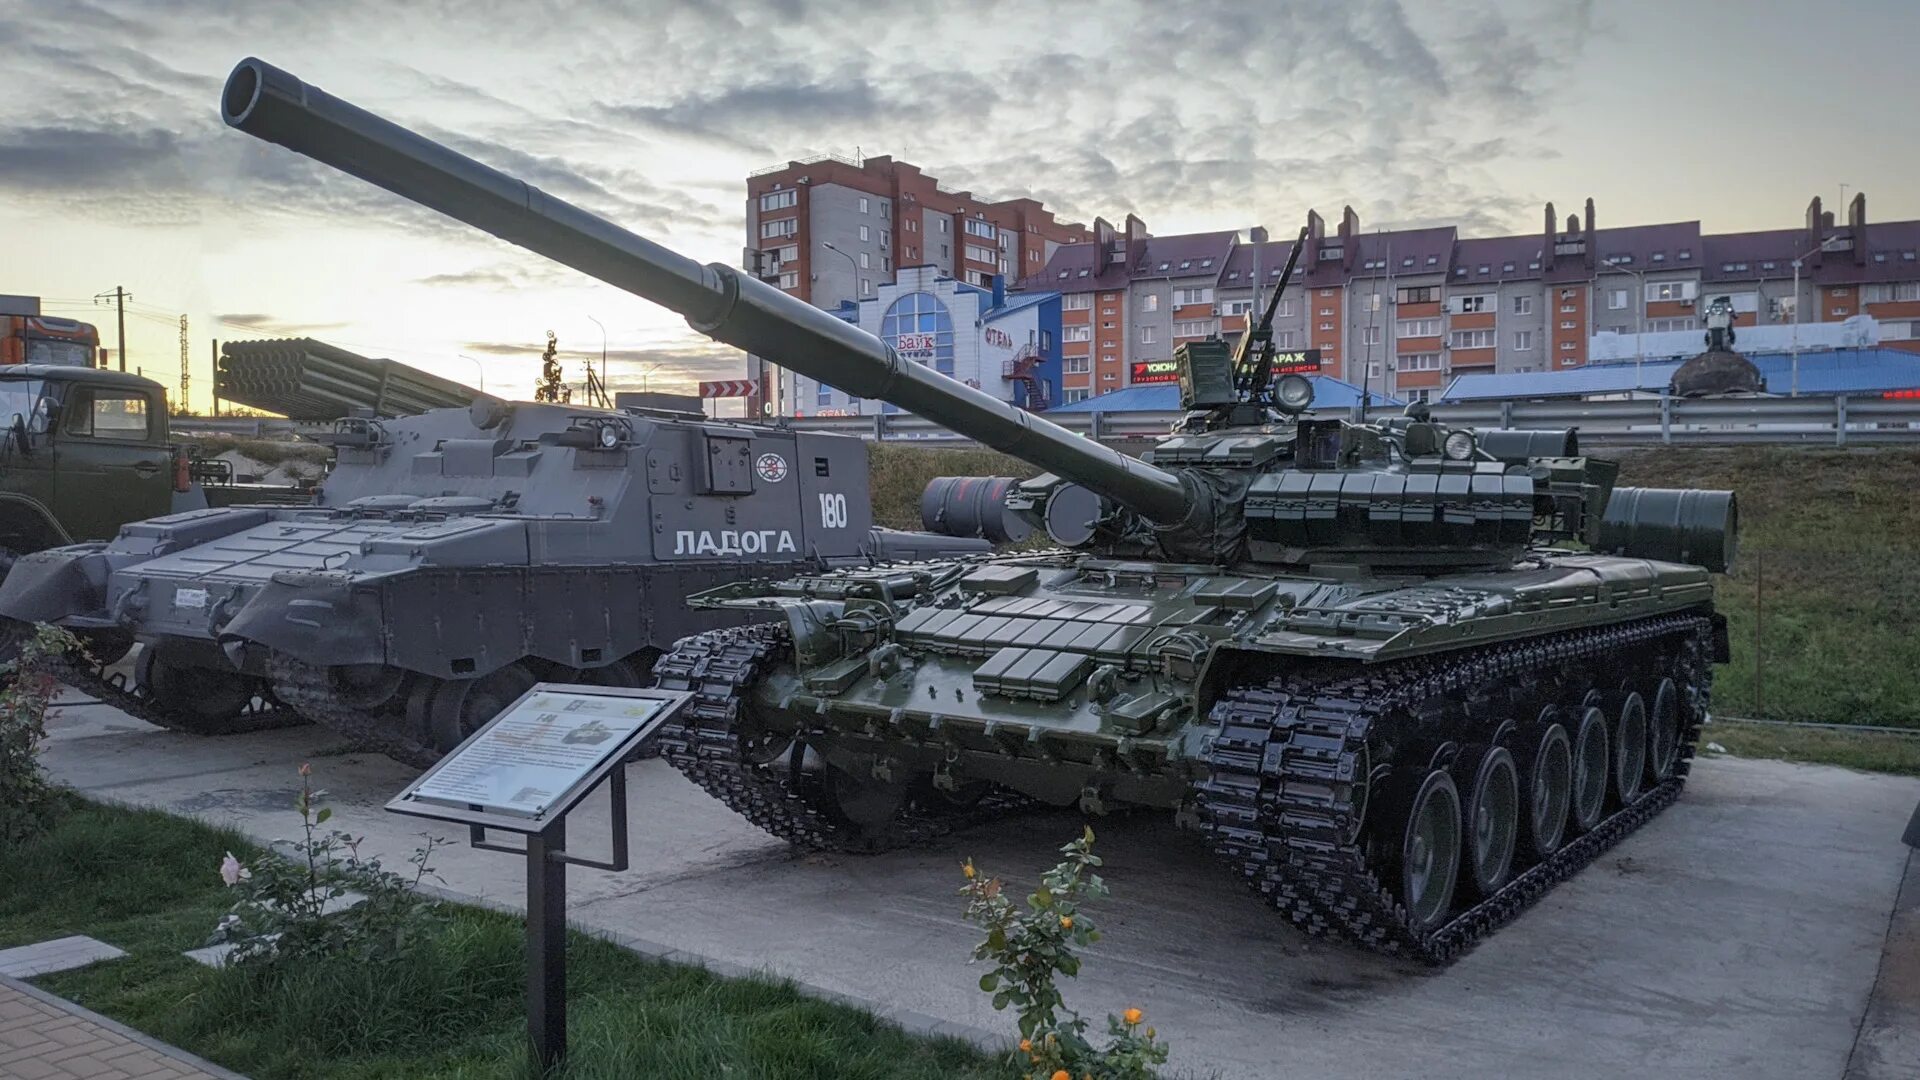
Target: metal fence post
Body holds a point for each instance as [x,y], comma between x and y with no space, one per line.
[1666,418]
[1759,604]
[1096,426]
[879,427]
[1506,415]
[1840,420]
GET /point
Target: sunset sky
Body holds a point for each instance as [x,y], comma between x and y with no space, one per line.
[116,170]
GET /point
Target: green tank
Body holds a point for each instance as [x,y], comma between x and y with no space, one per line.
[1402,678]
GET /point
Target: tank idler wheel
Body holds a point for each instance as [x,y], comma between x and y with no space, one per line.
[1548,782]
[1492,815]
[461,706]
[1429,849]
[1590,774]
[1629,751]
[203,700]
[1663,731]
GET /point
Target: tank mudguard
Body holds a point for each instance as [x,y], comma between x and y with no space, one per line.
[49,586]
[316,617]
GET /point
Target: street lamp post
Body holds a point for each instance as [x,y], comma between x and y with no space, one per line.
[855,266]
[1639,322]
[479,369]
[603,352]
[1795,348]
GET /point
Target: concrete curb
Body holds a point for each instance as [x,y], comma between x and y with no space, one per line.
[165,1050]
[914,1023]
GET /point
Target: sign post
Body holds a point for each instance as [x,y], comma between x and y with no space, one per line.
[523,772]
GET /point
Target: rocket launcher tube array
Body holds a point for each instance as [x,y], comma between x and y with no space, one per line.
[274,105]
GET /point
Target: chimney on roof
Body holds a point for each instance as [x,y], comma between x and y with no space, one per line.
[1257,234]
[1826,220]
[1857,225]
[1316,228]
[1587,235]
[1103,242]
[1349,237]
[1814,218]
[1546,240]
[1136,239]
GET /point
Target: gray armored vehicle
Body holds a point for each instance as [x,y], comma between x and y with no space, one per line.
[453,558]
[1405,678]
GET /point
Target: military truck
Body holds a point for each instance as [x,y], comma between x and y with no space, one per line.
[1403,678]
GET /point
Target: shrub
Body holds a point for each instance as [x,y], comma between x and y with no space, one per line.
[1033,946]
[316,896]
[27,688]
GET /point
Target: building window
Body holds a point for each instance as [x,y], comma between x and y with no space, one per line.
[1283,339]
[1566,346]
[1193,328]
[1523,305]
[1370,302]
[866,261]
[790,280]
[1407,328]
[1192,296]
[1616,299]
[1236,307]
[1285,310]
[1506,268]
[866,286]
[1566,324]
[783,227]
[1076,333]
[1668,326]
[1837,311]
[983,229]
[920,329]
[823,396]
[863,209]
[946,252]
[779,200]
[1522,341]
[1077,365]
[1470,339]
[1419,294]
[1076,302]
[981,255]
[1146,335]
[1369,335]
[866,234]
[1423,361]
[1074,393]
[1669,290]
[1467,305]
[1150,302]
[788,254]
[943,224]
[1568,309]
[912,225]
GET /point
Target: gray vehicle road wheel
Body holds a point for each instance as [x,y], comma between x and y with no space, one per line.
[204,700]
[461,706]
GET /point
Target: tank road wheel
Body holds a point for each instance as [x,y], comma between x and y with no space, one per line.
[1589,769]
[368,687]
[460,706]
[203,700]
[1629,751]
[1663,732]
[1492,817]
[1548,781]
[867,807]
[1430,845]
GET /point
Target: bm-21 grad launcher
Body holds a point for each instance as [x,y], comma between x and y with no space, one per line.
[1402,677]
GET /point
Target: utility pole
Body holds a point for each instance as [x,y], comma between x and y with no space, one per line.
[120,298]
[184,377]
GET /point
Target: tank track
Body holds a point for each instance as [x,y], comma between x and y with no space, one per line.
[115,689]
[704,742]
[306,689]
[1277,804]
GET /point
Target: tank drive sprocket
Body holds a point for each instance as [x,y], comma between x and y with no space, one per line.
[778,784]
[1295,800]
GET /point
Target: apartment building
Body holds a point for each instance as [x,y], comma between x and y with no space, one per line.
[1405,310]
[831,230]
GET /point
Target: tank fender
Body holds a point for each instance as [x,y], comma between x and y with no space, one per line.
[318,618]
[48,586]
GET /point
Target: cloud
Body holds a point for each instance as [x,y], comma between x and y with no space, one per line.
[274,326]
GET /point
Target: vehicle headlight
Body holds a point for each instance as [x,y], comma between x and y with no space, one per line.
[1459,446]
[609,436]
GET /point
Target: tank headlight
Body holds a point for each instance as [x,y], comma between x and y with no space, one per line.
[1293,393]
[1459,446]
[609,436]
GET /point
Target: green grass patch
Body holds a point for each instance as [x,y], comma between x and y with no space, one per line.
[1868,751]
[149,883]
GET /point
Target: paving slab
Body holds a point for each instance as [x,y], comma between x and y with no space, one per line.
[1740,933]
[60,954]
[43,1037]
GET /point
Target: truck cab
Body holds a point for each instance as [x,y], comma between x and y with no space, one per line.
[82,452]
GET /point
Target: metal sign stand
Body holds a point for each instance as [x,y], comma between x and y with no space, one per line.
[574,739]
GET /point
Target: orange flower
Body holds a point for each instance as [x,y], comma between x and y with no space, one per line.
[1066,922]
[967,869]
[1027,1045]
[1062,1074]
[1132,1016]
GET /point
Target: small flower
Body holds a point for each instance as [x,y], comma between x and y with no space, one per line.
[232,872]
[1062,1074]
[1149,1034]
[1026,1045]
[1132,1016]
[967,869]
[306,769]
[1066,922]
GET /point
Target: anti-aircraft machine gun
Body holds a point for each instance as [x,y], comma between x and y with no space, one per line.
[1403,677]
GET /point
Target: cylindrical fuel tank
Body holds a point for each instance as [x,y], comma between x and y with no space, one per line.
[972,506]
[1682,525]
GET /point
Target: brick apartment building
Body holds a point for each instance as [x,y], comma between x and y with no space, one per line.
[1404,310]
[1401,310]
[829,230]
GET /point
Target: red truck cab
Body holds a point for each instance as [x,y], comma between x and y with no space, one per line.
[28,337]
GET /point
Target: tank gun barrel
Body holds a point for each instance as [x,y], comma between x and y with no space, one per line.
[726,305]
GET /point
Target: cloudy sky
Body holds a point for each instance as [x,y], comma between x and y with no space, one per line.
[116,170]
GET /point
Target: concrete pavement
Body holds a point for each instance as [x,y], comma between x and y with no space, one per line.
[1741,933]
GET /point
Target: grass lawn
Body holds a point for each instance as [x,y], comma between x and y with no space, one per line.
[1868,751]
[149,883]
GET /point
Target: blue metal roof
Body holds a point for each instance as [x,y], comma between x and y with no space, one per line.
[1328,393]
[1835,371]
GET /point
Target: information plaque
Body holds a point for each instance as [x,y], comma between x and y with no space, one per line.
[522,772]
